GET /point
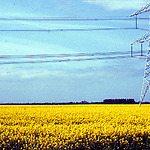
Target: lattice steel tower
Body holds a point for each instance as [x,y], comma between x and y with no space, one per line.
[144,38]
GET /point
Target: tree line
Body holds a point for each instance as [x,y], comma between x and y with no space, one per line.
[105,101]
[119,101]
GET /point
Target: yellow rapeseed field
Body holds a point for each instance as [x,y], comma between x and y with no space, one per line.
[74,127]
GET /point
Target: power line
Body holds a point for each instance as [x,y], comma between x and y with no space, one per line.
[49,58]
[143,29]
[65,55]
[58,30]
[71,19]
[66,60]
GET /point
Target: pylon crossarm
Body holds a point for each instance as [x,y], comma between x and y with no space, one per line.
[142,39]
[142,10]
[147,10]
[146,7]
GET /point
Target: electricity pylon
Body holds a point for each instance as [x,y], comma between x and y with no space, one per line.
[144,38]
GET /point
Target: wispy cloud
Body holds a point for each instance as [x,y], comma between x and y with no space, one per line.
[119,4]
[11,23]
[11,73]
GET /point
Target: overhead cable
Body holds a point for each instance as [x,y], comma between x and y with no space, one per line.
[143,29]
[71,19]
[58,30]
[66,60]
[65,55]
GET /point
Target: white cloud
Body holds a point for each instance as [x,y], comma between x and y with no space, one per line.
[119,4]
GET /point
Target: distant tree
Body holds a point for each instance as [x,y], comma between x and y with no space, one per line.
[119,101]
[130,101]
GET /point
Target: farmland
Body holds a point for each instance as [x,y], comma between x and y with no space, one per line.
[74,127]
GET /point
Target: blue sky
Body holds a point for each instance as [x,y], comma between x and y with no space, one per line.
[75,80]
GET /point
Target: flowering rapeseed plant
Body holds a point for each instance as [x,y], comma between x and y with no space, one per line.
[74,127]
